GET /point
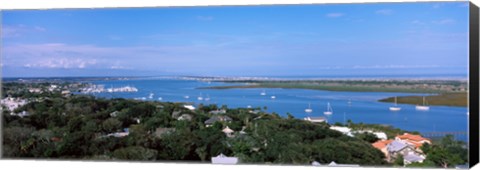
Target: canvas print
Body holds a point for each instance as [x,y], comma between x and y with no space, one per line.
[327,85]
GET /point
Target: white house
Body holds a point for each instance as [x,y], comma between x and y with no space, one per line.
[189,107]
[222,159]
[344,130]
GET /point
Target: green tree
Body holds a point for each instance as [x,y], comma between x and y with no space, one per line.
[135,153]
[111,125]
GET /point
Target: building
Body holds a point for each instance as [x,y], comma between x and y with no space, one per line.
[228,132]
[161,131]
[382,146]
[187,117]
[411,158]
[222,111]
[415,140]
[189,107]
[217,118]
[316,119]
[345,130]
[222,159]
[398,147]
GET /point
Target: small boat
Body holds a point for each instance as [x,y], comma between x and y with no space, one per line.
[423,107]
[249,106]
[273,97]
[308,110]
[349,102]
[207,98]
[186,97]
[150,96]
[200,97]
[263,93]
[395,107]
[329,110]
[160,98]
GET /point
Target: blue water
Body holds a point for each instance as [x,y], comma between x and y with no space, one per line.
[363,108]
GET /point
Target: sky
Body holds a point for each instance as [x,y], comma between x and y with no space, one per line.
[277,40]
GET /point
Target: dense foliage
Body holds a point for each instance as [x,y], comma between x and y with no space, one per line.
[78,127]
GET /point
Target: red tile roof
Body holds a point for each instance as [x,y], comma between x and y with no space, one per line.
[382,144]
[413,138]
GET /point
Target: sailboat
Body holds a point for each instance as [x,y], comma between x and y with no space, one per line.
[395,107]
[308,110]
[200,97]
[273,97]
[150,96]
[329,110]
[263,93]
[422,107]
[207,98]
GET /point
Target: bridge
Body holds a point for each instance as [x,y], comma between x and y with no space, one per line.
[435,134]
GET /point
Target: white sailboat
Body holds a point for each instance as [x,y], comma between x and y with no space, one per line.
[200,97]
[186,97]
[273,97]
[263,93]
[207,98]
[308,110]
[150,96]
[160,98]
[423,107]
[395,107]
[329,109]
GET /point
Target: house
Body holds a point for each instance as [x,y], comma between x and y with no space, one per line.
[316,119]
[189,107]
[222,111]
[218,118]
[411,158]
[222,159]
[176,114]
[228,132]
[379,135]
[415,140]
[114,114]
[398,147]
[66,92]
[161,131]
[185,117]
[382,146]
[333,163]
[344,130]
[23,114]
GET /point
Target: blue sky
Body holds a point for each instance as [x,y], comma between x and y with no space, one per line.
[293,40]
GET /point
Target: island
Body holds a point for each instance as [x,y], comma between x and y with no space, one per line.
[440,92]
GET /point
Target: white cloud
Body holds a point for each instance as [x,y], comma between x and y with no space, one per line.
[10,31]
[65,63]
[384,12]
[418,22]
[444,21]
[335,15]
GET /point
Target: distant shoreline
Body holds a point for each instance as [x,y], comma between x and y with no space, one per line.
[444,92]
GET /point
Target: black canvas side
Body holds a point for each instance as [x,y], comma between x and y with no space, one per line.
[474,86]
